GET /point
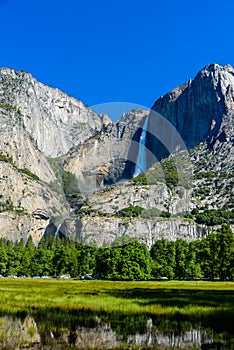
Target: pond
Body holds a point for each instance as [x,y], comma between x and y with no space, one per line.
[58,329]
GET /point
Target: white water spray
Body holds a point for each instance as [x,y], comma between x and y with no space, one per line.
[57,231]
[141,162]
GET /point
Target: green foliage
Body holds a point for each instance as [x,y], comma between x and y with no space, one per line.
[9,159]
[193,267]
[208,256]
[212,257]
[170,172]
[42,263]
[8,107]
[163,259]
[87,259]
[8,205]
[141,179]
[211,217]
[165,214]
[70,187]
[64,260]
[3,259]
[150,213]
[181,253]
[31,331]
[128,262]
[137,211]
[29,173]
[226,253]
[130,212]
[122,240]
[6,158]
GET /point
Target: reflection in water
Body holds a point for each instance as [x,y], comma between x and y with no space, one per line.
[100,333]
[14,333]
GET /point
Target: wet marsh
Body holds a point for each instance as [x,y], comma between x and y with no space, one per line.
[69,309]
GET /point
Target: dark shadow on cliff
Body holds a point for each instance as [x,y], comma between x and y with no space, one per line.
[53,230]
[155,151]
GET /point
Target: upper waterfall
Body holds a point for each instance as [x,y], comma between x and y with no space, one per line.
[141,162]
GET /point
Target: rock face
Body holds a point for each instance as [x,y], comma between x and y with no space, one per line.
[54,120]
[18,147]
[197,114]
[201,109]
[111,199]
[36,122]
[108,157]
[105,230]
[47,136]
[26,205]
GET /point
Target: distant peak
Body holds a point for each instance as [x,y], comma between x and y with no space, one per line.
[218,67]
[213,66]
[13,72]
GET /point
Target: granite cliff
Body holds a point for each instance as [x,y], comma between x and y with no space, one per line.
[37,123]
[54,120]
[108,156]
[194,121]
[51,144]
[201,109]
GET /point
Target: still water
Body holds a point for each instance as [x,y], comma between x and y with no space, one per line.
[54,330]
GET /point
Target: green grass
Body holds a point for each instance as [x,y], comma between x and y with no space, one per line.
[16,295]
[211,303]
[173,306]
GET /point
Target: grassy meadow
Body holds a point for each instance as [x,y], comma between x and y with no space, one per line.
[208,303]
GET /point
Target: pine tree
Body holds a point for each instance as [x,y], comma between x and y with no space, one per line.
[226,253]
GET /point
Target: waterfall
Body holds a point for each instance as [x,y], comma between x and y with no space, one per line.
[57,231]
[141,162]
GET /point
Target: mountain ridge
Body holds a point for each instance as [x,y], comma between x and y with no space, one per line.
[51,142]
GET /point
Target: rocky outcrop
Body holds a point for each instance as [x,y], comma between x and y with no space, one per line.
[199,112]
[111,199]
[201,109]
[27,205]
[107,157]
[14,226]
[36,122]
[104,230]
[45,133]
[54,120]
[18,147]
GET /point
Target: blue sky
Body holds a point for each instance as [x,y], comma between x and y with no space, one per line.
[103,51]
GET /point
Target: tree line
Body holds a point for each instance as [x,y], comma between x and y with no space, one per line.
[211,257]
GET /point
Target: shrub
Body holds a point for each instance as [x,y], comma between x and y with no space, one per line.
[131,211]
[29,173]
